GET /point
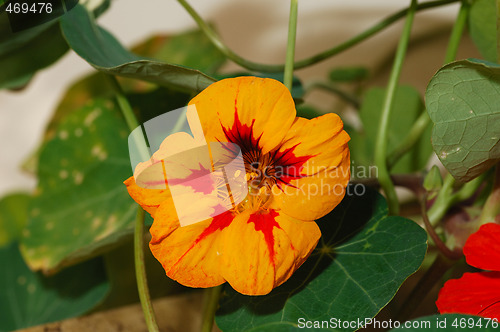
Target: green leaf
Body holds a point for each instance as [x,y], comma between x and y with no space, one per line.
[81,205]
[462,101]
[450,323]
[483,28]
[25,52]
[406,109]
[100,49]
[28,298]
[13,216]
[348,74]
[359,264]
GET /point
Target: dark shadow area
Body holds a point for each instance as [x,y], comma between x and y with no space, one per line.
[76,280]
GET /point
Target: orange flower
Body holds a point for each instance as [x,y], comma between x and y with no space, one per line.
[297,171]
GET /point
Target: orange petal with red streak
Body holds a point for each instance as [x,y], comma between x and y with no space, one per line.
[260,251]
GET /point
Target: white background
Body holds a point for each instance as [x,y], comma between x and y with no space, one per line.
[254,29]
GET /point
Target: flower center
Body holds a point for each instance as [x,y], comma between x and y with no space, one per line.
[260,176]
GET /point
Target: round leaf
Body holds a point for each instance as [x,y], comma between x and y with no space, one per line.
[462,101]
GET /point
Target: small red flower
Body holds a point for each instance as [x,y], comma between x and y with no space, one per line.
[476,293]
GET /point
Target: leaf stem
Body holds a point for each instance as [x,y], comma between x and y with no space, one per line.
[447,252]
[140,273]
[423,120]
[266,68]
[383,130]
[443,201]
[123,104]
[211,301]
[140,270]
[290,45]
[457,32]
[446,198]
[410,140]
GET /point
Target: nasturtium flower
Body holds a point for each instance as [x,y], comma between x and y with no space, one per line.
[296,169]
[476,293]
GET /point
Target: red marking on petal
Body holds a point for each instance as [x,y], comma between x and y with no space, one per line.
[286,163]
[265,223]
[289,166]
[242,134]
[218,223]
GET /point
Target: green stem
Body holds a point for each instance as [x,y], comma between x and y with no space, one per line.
[140,273]
[446,198]
[140,270]
[351,99]
[123,104]
[447,252]
[457,32]
[265,68]
[290,46]
[442,202]
[129,116]
[423,120]
[211,301]
[383,130]
[410,140]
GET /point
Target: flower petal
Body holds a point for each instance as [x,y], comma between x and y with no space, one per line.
[149,199]
[253,112]
[474,293]
[260,251]
[189,254]
[482,248]
[165,222]
[315,159]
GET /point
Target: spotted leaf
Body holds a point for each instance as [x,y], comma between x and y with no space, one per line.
[80,205]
